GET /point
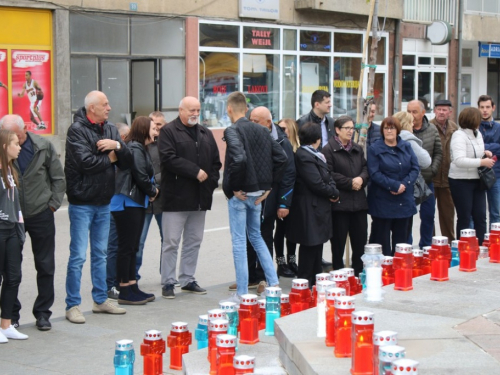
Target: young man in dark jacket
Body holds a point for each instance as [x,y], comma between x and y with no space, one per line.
[190,167]
[254,161]
[321,104]
[93,147]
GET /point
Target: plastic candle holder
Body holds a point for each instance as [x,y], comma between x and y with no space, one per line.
[262,313]
[387,271]
[404,367]
[426,261]
[215,327]
[441,260]
[300,295]
[372,262]
[331,294]
[353,285]
[226,349]
[178,341]
[387,355]
[285,305]
[243,364]
[455,258]
[467,257]
[322,286]
[340,278]
[124,357]
[152,349]
[362,343]
[231,310]
[344,306]
[273,308]
[469,235]
[381,339]
[494,251]
[201,332]
[249,319]
[403,265]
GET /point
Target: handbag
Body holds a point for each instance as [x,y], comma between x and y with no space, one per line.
[421,192]
[487,176]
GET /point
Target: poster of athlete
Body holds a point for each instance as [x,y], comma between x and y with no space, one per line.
[4,85]
[31,89]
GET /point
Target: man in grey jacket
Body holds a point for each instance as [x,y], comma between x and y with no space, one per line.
[41,191]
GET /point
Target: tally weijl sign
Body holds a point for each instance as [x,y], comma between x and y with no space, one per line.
[266,9]
[29,59]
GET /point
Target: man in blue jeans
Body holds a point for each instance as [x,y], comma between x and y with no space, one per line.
[93,148]
[253,162]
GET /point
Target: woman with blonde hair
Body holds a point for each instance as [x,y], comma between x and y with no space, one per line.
[291,130]
[406,121]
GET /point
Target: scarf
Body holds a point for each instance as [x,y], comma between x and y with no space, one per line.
[347,147]
[314,152]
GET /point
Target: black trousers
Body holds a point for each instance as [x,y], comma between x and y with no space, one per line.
[10,267]
[255,271]
[279,240]
[129,223]
[381,233]
[356,225]
[42,231]
[310,262]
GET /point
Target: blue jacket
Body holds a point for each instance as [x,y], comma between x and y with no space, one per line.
[490,130]
[388,168]
[373,134]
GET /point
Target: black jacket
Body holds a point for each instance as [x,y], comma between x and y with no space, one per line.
[155,207]
[344,166]
[181,159]
[310,219]
[311,117]
[254,160]
[135,182]
[90,175]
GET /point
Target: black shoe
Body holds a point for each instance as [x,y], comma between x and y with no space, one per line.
[285,271]
[149,296]
[14,323]
[43,324]
[324,263]
[168,291]
[128,297]
[293,267]
[193,287]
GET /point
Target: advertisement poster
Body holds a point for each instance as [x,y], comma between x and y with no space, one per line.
[31,89]
[4,84]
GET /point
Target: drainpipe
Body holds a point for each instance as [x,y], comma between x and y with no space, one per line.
[397,66]
[459,72]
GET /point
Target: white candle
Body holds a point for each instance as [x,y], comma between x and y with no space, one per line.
[373,291]
[321,309]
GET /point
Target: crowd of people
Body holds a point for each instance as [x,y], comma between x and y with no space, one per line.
[303,182]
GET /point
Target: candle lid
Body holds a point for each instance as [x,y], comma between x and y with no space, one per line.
[225,341]
[373,249]
[405,367]
[495,226]
[216,314]
[468,233]
[218,325]
[203,320]
[322,276]
[440,240]
[426,249]
[244,362]
[486,238]
[404,248]
[349,271]
[262,303]
[322,286]
[454,243]
[273,291]
[228,306]
[391,353]
[124,345]
[362,318]
[300,284]
[179,327]
[383,338]
[152,335]
[344,302]
[285,298]
[418,253]
[338,275]
[248,299]
[332,293]
[387,261]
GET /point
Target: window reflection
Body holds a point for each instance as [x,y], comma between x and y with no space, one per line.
[346,72]
[212,35]
[289,86]
[314,75]
[344,42]
[261,38]
[318,41]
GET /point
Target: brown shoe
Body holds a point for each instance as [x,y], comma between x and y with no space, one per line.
[233,287]
[261,288]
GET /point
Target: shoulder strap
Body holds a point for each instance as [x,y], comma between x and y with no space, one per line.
[472,144]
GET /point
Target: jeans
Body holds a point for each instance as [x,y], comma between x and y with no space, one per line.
[244,218]
[494,203]
[144,234]
[112,253]
[427,211]
[87,220]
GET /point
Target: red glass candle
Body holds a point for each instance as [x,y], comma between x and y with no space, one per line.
[387,271]
[469,235]
[495,228]
[418,257]
[362,343]
[214,314]
[404,367]
[226,349]
[352,280]
[262,313]
[178,341]
[467,257]
[331,294]
[381,339]
[243,364]
[285,305]
[215,327]
[486,241]
[403,265]
[494,247]
[300,295]
[249,319]
[440,256]
[152,349]
[344,306]
[426,260]
[340,278]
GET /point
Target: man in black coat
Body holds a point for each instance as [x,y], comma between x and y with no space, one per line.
[190,167]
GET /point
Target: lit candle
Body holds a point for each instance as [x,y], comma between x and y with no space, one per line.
[405,367]
[215,327]
[494,252]
[152,349]
[124,357]
[344,306]
[403,265]
[273,308]
[467,257]
[469,235]
[201,332]
[387,271]
[285,305]
[387,355]
[441,259]
[249,319]
[362,343]
[321,287]
[418,257]
[340,278]
[381,339]
[331,294]
[226,349]
[243,364]
[178,341]
[262,313]
[300,295]
[372,262]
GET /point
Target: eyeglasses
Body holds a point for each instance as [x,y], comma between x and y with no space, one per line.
[391,128]
[348,128]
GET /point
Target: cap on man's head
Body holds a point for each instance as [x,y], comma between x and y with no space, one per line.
[443,102]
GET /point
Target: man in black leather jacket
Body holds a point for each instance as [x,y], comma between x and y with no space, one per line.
[93,147]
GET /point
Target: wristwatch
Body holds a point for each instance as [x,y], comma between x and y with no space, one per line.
[118,145]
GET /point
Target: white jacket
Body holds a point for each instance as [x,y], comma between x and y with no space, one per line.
[424,159]
[463,162]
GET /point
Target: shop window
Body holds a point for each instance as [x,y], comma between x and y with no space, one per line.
[408,85]
[289,87]
[314,75]
[172,89]
[439,87]
[350,43]
[380,50]
[83,80]
[467,57]
[218,78]
[409,60]
[290,40]
[115,84]
[91,33]
[318,41]
[261,38]
[215,35]
[145,39]
[346,72]
[440,61]
[424,60]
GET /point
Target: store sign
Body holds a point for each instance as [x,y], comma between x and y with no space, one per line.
[347,84]
[267,9]
[257,89]
[4,84]
[489,50]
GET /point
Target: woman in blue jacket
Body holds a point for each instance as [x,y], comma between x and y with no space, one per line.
[393,169]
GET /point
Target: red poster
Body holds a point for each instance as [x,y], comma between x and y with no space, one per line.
[31,89]
[4,93]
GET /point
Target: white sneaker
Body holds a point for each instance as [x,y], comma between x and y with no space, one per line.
[107,308]
[12,333]
[234,298]
[74,315]
[3,339]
